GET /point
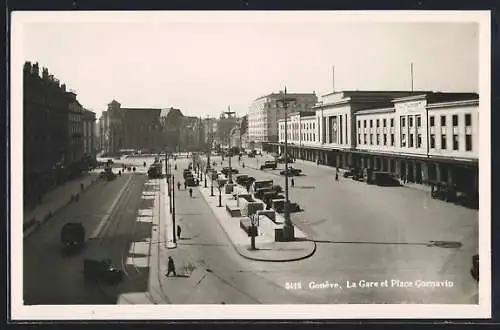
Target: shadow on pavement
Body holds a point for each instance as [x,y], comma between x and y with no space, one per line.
[441,244]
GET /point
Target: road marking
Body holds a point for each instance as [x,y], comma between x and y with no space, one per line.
[145,219]
[105,219]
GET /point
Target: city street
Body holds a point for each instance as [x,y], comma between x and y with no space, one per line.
[375,233]
[357,240]
[52,277]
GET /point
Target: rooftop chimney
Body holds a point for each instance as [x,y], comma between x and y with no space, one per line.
[63,87]
[45,73]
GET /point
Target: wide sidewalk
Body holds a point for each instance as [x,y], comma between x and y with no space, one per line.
[54,200]
[266,247]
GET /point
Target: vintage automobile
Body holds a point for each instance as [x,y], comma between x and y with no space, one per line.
[443,192]
[101,271]
[73,236]
[107,174]
[279,206]
[385,179]
[242,179]
[155,171]
[226,170]
[292,172]
[268,164]
[350,173]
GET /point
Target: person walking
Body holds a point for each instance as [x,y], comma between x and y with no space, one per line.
[190,192]
[292,182]
[178,185]
[179,230]
[171,266]
[185,185]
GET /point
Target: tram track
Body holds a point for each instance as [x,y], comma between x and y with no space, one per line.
[110,230]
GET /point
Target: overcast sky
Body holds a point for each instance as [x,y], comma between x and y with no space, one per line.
[203,66]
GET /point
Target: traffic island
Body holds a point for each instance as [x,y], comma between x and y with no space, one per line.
[266,247]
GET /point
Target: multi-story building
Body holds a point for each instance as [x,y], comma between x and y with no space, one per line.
[89,135]
[97,137]
[51,142]
[133,128]
[422,137]
[104,132]
[266,111]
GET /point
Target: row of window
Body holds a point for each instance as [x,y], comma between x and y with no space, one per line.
[415,140]
[377,123]
[418,120]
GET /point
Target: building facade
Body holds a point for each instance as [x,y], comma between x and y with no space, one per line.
[265,112]
[52,142]
[132,128]
[89,135]
[421,137]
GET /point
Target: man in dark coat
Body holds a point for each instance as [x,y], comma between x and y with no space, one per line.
[171,266]
[179,232]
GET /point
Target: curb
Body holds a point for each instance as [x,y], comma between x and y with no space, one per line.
[39,223]
[240,252]
[310,254]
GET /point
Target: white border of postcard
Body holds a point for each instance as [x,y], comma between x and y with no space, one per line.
[194,312]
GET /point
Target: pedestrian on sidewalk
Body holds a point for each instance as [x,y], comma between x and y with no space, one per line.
[171,266]
[190,192]
[293,182]
[185,185]
[178,185]
[179,232]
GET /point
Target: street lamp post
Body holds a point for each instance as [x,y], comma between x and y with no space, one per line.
[230,179]
[288,226]
[212,185]
[173,210]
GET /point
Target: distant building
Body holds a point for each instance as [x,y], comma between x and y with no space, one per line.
[133,128]
[266,111]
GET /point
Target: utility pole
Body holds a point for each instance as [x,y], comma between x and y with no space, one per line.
[411,75]
[288,226]
[173,211]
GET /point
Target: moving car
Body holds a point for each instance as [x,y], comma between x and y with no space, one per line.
[72,236]
[101,271]
[292,172]
[155,171]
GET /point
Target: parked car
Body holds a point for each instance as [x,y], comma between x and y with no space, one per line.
[226,170]
[351,173]
[385,179]
[292,172]
[268,164]
[443,192]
